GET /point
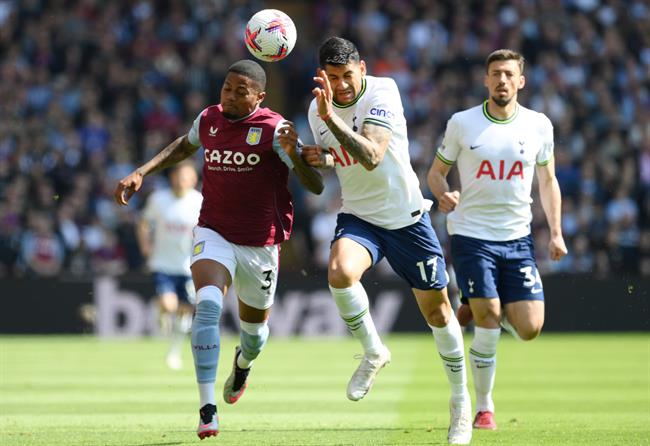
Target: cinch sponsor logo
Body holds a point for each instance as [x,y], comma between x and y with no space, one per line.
[380,112]
[499,172]
[230,157]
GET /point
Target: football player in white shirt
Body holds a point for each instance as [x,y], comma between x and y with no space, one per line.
[165,238]
[498,146]
[360,131]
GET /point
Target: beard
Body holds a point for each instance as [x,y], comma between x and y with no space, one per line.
[501,102]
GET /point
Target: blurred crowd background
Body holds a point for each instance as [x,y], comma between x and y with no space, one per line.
[89,89]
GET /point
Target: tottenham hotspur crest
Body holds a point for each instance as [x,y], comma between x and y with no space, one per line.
[254,136]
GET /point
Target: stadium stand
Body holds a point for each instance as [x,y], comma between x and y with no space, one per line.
[89,89]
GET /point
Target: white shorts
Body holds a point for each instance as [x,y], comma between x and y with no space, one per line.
[253,269]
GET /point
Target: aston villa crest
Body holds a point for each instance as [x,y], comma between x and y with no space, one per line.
[254,136]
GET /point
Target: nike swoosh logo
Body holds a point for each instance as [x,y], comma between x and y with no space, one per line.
[323,132]
[483,366]
[475,147]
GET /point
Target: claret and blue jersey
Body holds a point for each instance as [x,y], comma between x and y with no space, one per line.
[245,176]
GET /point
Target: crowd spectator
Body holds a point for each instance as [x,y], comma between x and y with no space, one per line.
[89,89]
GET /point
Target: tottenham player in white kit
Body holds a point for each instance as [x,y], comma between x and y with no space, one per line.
[165,238]
[498,146]
[360,130]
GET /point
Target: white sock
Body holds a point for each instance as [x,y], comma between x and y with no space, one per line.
[206,394]
[449,340]
[353,307]
[483,358]
[243,363]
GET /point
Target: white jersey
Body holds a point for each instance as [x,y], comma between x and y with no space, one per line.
[173,219]
[388,196]
[496,161]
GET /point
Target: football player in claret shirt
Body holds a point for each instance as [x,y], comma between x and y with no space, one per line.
[246,213]
[358,123]
[498,146]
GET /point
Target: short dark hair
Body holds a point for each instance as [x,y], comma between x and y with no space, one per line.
[251,70]
[505,54]
[337,51]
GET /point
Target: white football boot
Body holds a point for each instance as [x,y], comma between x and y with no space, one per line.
[460,420]
[365,374]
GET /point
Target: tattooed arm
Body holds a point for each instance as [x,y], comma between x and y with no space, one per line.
[175,152]
[368,147]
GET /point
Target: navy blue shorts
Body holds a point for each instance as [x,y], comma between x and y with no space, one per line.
[175,283]
[413,252]
[506,270]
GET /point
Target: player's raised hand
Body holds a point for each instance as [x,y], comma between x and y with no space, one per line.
[288,137]
[557,248]
[323,94]
[448,201]
[127,186]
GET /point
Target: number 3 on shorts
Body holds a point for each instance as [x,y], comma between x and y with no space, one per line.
[531,279]
[268,279]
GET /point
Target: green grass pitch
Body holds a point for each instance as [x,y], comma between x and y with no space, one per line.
[562,389]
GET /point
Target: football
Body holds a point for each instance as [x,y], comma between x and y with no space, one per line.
[270,35]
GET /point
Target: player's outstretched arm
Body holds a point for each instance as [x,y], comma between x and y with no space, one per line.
[549,192]
[309,177]
[437,180]
[369,147]
[175,152]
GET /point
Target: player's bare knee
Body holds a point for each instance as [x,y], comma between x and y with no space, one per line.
[168,304]
[486,318]
[529,332]
[438,316]
[340,276]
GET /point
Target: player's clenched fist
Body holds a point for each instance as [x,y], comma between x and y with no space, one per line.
[557,248]
[287,137]
[448,201]
[127,187]
[316,156]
